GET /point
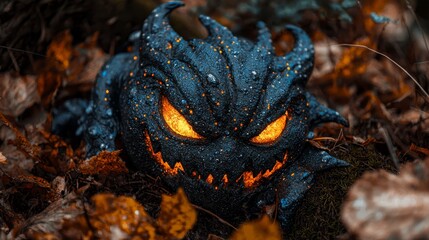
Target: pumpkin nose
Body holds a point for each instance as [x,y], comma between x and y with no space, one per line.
[228,158]
[227,146]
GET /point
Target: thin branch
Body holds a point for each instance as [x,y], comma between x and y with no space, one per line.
[410,8]
[390,146]
[214,215]
[24,51]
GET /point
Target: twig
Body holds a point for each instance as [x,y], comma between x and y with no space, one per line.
[24,51]
[15,63]
[410,8]
[214,215]
[391,60]
[390,147]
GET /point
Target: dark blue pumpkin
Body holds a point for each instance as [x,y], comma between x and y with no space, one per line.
[222,117]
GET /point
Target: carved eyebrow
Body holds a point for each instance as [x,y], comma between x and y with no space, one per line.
[184,90]
[273,103]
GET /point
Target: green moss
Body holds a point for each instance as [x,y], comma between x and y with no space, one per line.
[318,217]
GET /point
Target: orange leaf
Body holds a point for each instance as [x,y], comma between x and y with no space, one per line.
[105,163]
[262,228]
[123,214]
[177,215]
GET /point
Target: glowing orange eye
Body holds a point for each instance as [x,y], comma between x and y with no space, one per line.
[272,132]
[176,121]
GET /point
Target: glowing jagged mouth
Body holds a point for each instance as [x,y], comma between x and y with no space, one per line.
[249,180]
[158,158]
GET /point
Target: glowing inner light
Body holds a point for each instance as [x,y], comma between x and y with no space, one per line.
[158,158]
[272,132]
[209,179]
[249,180]
[176,121]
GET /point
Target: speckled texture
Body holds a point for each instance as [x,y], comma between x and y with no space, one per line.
[229,90]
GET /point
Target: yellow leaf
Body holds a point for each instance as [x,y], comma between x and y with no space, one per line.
[177,215]
[262,228]
[122,215]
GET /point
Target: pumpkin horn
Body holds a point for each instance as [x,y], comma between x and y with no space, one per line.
[217,30]
[264,36]
[157,32]
[158,19]
[301,59]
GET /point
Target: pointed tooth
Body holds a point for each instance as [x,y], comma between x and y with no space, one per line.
[225,180]
[209,179]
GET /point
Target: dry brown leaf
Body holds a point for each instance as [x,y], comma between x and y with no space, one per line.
[30,182]
[105,163]
[58,55]
[381,205]
[418,149]
[3,159]
[327,53]
[368,105]
[177,215]
[85,62]
[49,221]
[263,228]
[418,119]
[21,142]
[17,93]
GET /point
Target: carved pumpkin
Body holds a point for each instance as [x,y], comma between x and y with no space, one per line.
[222,117]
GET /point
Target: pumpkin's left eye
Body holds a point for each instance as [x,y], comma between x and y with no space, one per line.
[272,132]
[176,121]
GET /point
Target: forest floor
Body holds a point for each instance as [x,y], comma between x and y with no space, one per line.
[371,65]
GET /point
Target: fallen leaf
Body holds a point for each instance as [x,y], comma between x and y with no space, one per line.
[104,163]
[52,75]
[60,50]
[418,149]
[17,93]
[20,141]
[120,216]
[177,216]
[3,159]
[263,228]
[49,221]
[85,62]
[381,205]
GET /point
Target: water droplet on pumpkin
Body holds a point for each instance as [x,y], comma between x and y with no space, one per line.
[88,109]
[326,158]
[212,79]
[93,131]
